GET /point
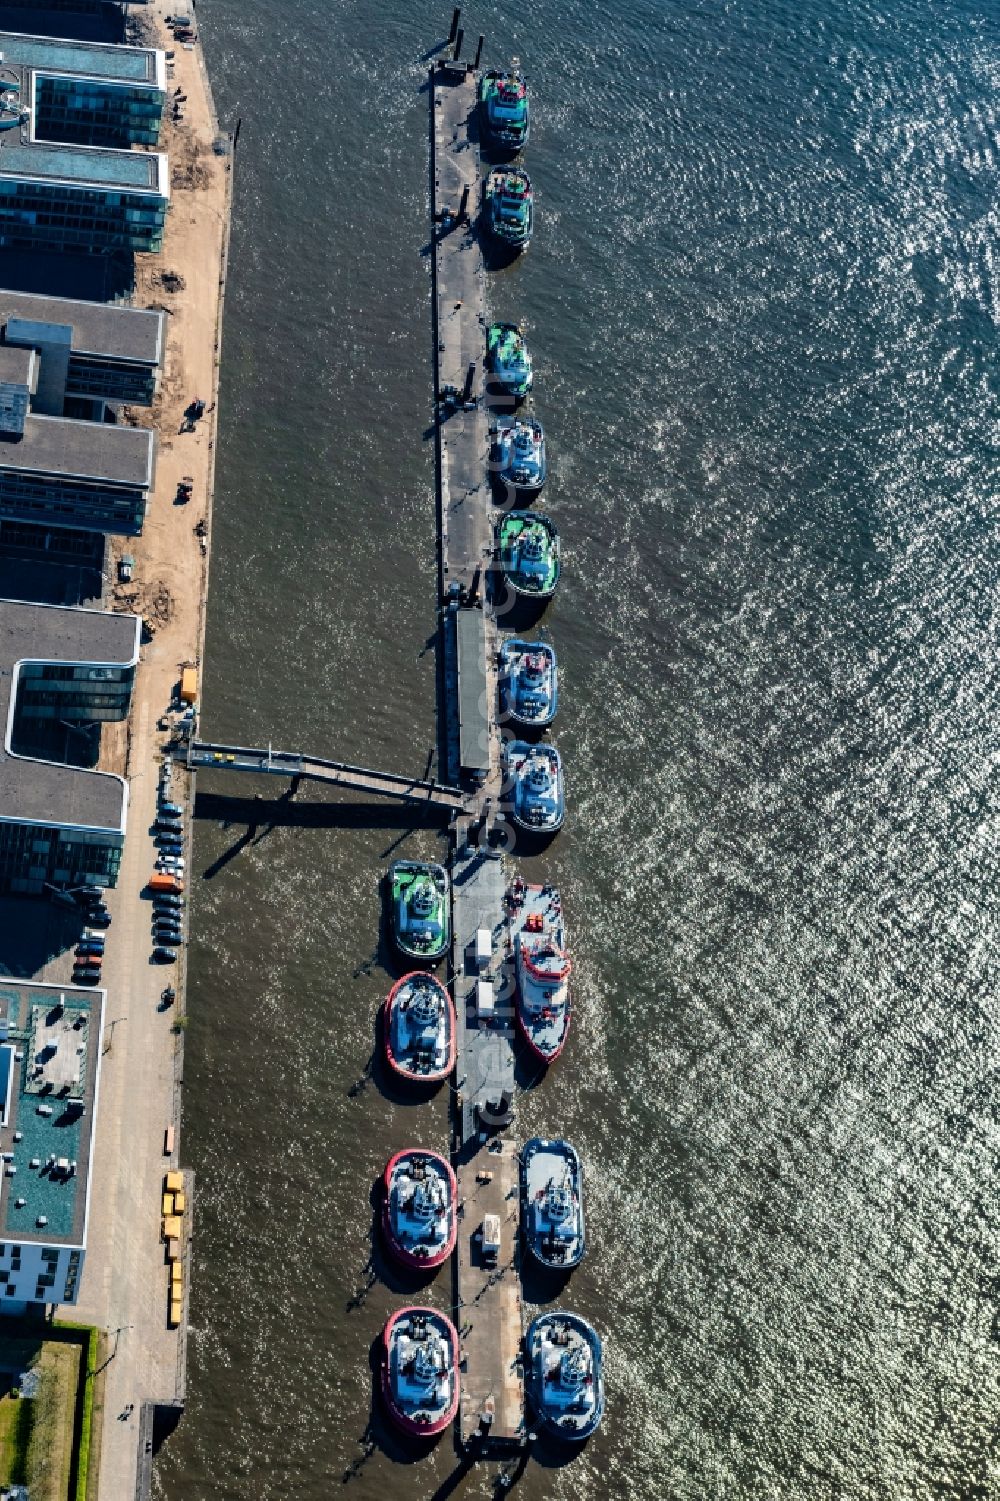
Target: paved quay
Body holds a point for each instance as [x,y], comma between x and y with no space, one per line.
[487,1297]
[123,1290]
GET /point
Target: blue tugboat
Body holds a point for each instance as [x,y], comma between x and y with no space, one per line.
[510,210]
[503,110]
[529,683]
[519,454]
[533,774]
[552,1189]
[564,1375]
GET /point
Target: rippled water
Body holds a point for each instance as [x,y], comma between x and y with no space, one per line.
[763,300]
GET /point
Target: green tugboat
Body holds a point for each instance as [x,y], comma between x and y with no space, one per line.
[421,926]
[503,109]
[528,545]
[510,207]
[508,360]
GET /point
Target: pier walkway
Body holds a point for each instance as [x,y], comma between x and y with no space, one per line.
[268,762]
[487,1294]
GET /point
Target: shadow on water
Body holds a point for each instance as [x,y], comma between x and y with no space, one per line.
[398,1091]
[264,814]
[542,1284]
[407,1282]
[529,1071]
[379,1432]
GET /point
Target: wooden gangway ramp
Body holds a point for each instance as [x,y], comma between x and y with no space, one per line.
[487,1290]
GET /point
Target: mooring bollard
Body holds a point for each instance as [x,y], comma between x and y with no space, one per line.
[456,16]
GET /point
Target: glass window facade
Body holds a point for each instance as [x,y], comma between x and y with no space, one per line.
[33,854]
[62,216]
[64,502]
[109,381]
[70,692]
[90,112]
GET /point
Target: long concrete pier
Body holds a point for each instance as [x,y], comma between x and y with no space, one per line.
[487,1291]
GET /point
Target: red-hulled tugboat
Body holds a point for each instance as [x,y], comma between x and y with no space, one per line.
[420,1370]
[419,1028]
[418,1208]
[542,966]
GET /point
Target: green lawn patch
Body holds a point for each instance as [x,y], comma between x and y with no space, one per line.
[45,1439]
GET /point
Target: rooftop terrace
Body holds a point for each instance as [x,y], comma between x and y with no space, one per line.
[51,1100]
[42,791]
[83,166]
[112,63]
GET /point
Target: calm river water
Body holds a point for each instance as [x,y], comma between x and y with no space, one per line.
[763,299]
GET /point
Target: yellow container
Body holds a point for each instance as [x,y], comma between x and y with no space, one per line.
[171,1227]
[173,1181]
[174,1316]
[176,1273]
[179,1202]
[167,1205]
[189,684]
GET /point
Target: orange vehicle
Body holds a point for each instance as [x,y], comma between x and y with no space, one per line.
[163,880]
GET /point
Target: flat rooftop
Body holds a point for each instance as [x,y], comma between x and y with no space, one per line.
[473,690]
[83,166]
[45,792]
[99,329]
[51,1096]
[109,62]
[15,364]
[82,450]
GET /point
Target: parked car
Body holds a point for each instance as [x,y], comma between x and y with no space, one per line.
[167,900]
[86,896]
[170,862]
[86,977]
[89,948]
[163,955]
[99,919]
[170,846]
[170,810]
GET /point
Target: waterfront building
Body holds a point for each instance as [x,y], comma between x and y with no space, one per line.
[80,198]
[61,473]
[89,93]
[50,1060]
[61,826]
[89,353]
[90,194]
